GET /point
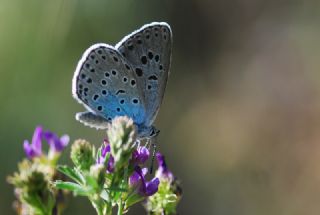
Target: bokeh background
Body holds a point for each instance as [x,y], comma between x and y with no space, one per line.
[240,121]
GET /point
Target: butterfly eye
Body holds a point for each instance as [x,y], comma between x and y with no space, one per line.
[152,133]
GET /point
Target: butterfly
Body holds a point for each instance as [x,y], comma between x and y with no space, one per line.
[128,79]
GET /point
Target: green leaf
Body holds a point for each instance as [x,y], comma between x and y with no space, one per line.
[71,173]
[99,152]
[91,182]
[76,188]
[117,189]
[35,203]
[133,199]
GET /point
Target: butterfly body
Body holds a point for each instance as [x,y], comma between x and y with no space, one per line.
[126,80]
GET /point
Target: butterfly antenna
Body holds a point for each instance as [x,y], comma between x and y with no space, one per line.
[154,146]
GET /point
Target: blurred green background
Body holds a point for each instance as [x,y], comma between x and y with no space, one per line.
[240,121]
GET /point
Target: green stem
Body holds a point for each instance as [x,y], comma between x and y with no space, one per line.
[99,208]
[109,209]
[120,208]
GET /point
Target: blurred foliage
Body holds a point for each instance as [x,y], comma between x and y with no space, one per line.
[240,118]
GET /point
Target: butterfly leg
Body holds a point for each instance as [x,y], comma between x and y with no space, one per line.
[148,144]
[137,143]
[154,146]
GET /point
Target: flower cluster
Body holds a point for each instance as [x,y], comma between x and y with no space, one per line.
[56,144]
[137,179]
[169,191]
[115,175]
[32,182]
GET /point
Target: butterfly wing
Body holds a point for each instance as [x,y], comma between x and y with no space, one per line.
[148,50]
[92,120]
[105,84]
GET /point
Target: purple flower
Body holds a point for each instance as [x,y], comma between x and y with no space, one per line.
[140,155]
[104,151]
[35,148]
[137,180]
[163,171]
[152,187]
[56,144]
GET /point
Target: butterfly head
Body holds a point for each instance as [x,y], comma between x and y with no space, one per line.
[147,132]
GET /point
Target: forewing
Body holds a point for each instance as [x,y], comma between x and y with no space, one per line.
[148,50]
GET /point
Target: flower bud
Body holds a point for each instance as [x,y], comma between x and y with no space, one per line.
[82,154]
[121,135]
[32,186]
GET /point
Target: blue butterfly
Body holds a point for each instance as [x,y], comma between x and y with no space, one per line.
[128,79]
